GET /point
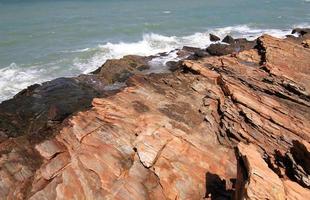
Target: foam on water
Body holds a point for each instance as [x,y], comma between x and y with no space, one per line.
[15,77]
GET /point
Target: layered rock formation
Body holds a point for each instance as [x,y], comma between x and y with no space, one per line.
[234,126]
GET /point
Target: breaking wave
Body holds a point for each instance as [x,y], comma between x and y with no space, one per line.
[16,77]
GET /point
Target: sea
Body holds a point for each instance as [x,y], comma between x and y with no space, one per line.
[44,39]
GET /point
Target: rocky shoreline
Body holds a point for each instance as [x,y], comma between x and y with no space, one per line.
[228,122]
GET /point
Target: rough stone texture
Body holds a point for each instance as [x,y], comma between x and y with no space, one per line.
[179,135]
[298,159]
[295,191]
[233,46]
[301,31]
[214,38]
[259,182]
[228,39]
[118,70]
[39,107]
[281,58]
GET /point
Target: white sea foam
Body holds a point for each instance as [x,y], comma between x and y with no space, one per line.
[17,76]
[302,25]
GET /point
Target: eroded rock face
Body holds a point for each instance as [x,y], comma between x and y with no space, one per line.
[145,126]
[255,179]
[224,127]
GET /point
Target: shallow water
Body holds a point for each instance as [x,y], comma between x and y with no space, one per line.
[44,39]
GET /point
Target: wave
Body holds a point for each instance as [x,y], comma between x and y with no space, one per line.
[16,77]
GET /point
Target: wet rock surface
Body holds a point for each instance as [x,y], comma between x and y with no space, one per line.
[36,108]
[228,39]
[119,70]
[232,46]
[214,38]
[232,126]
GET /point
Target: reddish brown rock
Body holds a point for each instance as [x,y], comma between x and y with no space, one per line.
[173,136]
[294,191]
[255,179]
[282,58]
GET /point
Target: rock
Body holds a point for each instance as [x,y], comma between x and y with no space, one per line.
[49,148]
[200,54]
[119,70]
[228,39]
[165,136]
[220,49]
[190,49]
[300,39]
[214,38]
[255,179]
[306,43]
[36,109]
[301,31]
[237,46]
[190,52]
[298,161]
[287,60]
[173,65]
[294,191]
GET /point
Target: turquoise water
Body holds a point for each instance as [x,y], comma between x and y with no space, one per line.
[44,39]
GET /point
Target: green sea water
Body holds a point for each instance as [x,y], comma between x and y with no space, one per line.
[44,39]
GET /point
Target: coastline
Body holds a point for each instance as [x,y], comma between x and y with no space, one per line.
[216,121]
[72,62]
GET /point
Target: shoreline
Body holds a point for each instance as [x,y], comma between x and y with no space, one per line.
[19,75]
[228,121]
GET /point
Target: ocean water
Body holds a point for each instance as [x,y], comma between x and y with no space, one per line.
[44,39]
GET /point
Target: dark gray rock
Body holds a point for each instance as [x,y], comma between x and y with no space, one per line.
[237,46]
[38,108]
[228,39]
[214,38]
[301,31]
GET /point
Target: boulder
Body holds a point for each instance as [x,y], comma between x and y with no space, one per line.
[224,49]
[220,49]
[301,31]
[214,38]
[119,70]
[174,65]
[228,39]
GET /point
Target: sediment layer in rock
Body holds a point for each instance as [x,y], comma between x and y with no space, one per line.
[235,126]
